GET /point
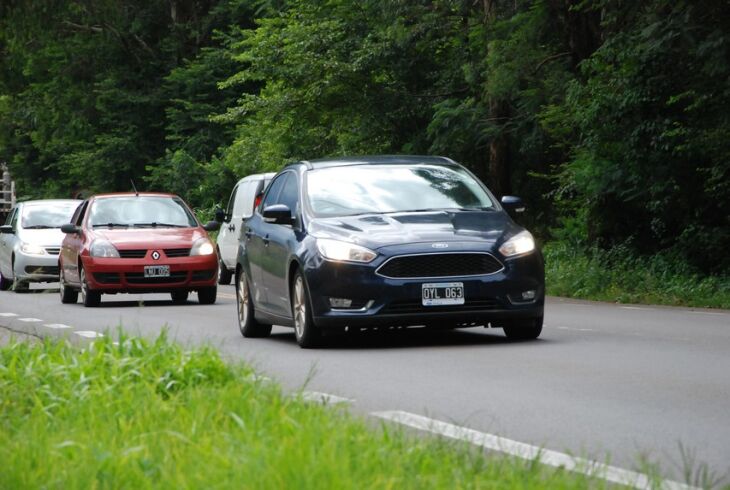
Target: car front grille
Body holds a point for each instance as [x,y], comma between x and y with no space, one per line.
[177,252]
[106,277]
[440,265]
[416,306]
[51,270]
[53,250]
[138,278]
[133,254]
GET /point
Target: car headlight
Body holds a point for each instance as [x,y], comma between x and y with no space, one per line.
[30,249]
[103,248]
[337,250]
[202,246]
[519,244]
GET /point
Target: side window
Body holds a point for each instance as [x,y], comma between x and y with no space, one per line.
[244,203]
[80,213]
[272,196]
[231,201]
[290,193]
[14,218]
[9,219]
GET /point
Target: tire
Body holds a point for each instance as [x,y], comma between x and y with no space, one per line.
[89,298]
[4,283]
[524,329]
[206,296]
[20,286]
[247,323]
[68,294]
[305,331]
[224,275]
[179,297]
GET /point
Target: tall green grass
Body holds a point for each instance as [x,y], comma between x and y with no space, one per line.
[151,415]
[620,276]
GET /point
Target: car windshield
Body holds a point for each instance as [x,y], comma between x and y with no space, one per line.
[365,189]
[141,212]
[47,215]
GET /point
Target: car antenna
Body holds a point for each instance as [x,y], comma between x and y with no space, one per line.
[134,187]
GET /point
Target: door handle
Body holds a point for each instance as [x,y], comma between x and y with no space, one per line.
[266,241]
[249,234]
[231,227]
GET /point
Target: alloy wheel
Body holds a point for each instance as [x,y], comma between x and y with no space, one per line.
[300,307]
[243,299]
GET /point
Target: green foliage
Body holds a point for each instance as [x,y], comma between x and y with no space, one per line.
[152,415]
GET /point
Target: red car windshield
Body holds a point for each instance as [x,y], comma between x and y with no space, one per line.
[141,212]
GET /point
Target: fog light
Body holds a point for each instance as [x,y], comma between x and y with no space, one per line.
[528,295]
[340,302]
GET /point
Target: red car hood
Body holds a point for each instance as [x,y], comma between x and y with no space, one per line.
[152,237]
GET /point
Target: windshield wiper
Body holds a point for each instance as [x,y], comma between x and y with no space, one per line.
[110,225]
[155,224]
[39,227]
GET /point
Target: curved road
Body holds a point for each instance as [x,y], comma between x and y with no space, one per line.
[618,384]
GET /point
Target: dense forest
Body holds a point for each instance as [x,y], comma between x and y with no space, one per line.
[611,118]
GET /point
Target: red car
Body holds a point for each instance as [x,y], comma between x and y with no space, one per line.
[137,243]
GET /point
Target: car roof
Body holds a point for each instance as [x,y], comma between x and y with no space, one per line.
[50,201]
[265,176]
[133,194]
[374,160]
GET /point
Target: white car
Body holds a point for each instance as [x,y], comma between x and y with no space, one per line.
[30,241]
[244,198]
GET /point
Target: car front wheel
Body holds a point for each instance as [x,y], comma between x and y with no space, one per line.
[524,329]
[68,294]
[89,297]
[207,296]
[247,323]
[224,275]
[179,297]
[4,282]
[306,332]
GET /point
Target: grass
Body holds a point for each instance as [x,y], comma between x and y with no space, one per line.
[151,415]
[618,276]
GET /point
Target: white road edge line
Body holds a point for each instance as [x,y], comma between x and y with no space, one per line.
[30,320]
[324,398]
[527,451]
[8,314]
[57,326]
[89,334]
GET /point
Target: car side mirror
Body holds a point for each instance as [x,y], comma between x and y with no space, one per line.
[220,215]
[70,229]
[513,204]
[212,226]
[7,229]
[278,214]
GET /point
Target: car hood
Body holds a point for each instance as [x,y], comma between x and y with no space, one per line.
[127,238]
[381,230]
[51,237]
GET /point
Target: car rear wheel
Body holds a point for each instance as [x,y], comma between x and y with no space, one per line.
[306,332]
[179,297]
[4,283]
[68,294]
[206,296]
[89,298]
[246,321]
[224,275]
[524,329]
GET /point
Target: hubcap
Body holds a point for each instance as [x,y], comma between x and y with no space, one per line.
[243,300]
[300,307]
[83,285]
[60,283]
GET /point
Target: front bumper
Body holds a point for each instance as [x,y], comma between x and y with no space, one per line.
[118,275]
[36,268]
[380,301]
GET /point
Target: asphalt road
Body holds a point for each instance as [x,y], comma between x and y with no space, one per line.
[623,384]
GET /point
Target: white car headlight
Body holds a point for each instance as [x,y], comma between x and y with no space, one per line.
[337,250]
[103,248]
[202,246]
[30,249]
[519,244]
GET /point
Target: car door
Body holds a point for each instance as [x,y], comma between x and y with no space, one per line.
[280,241]
[7,241]
[255,240]
[71,246]
[227,243]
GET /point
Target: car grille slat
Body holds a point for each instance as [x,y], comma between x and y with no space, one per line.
[51,270]
[132,254]
[53,250]
[440,265]
[416,306]
[138,278]
[177,252]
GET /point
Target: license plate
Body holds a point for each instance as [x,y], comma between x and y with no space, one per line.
[157,271]
[442,293]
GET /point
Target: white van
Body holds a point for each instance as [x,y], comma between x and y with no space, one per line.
[244,198]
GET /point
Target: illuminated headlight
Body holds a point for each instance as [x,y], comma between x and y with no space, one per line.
[344,251]
[30,249]
[519,244]
[202,247]
[103,248]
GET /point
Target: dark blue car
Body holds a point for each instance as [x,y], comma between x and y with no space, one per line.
[386,241]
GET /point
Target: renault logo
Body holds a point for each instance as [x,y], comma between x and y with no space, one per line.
[156,255]
[440,245]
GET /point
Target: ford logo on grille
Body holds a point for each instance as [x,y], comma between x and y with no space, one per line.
[440,245]
[156,255]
